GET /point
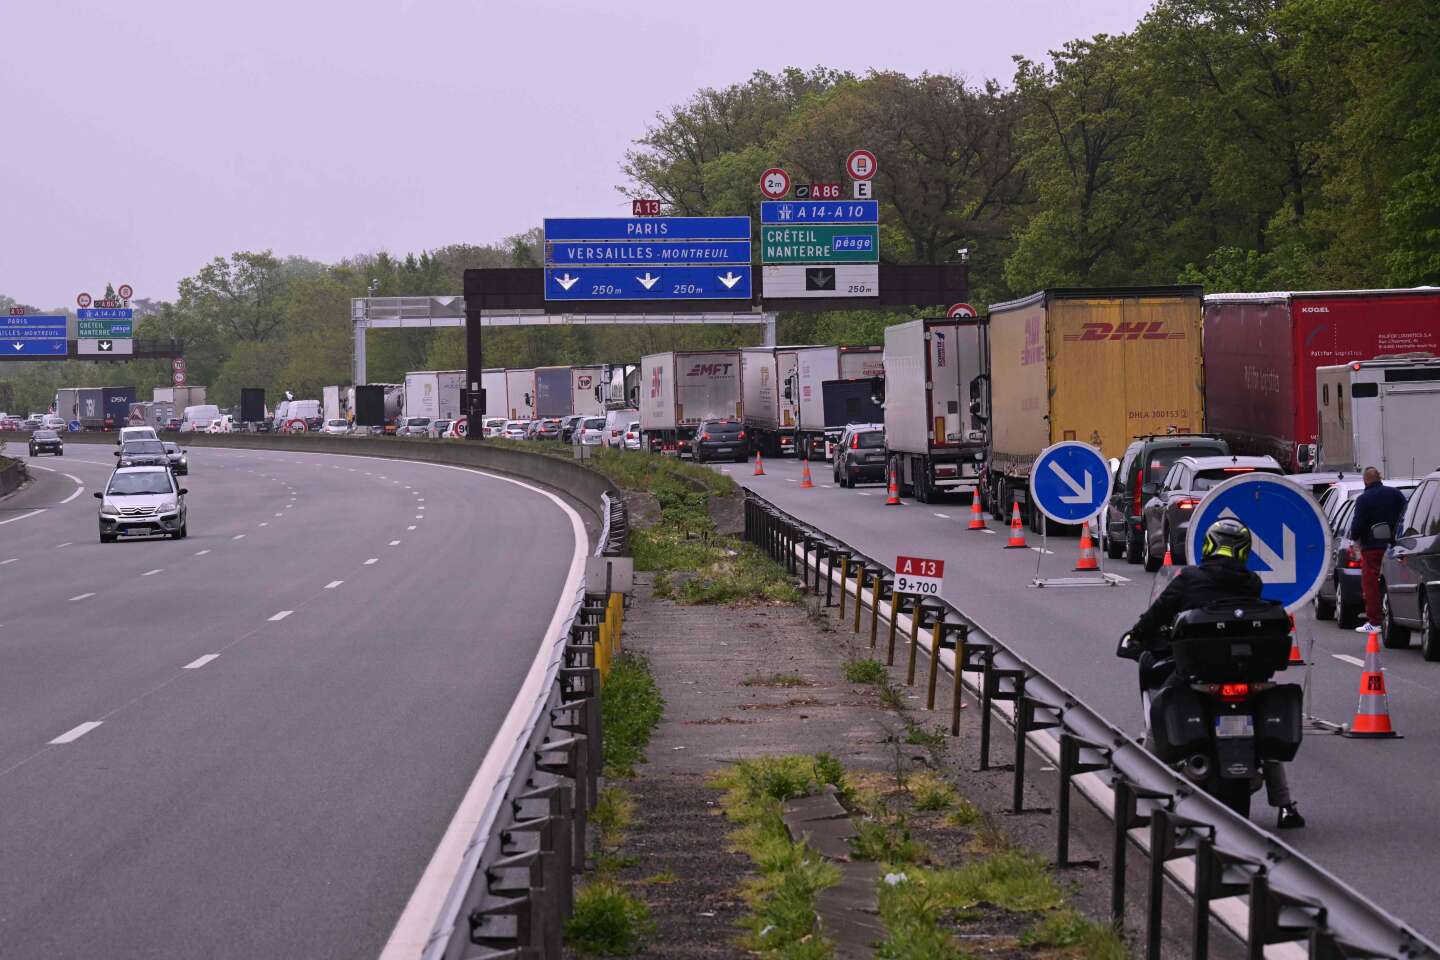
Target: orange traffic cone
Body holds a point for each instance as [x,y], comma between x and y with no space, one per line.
[1168,561]
[1372,716]
[893,500]
[977,519]
[759,465]
[1017,529]
[1087,559]
[805,481]
[1297,659]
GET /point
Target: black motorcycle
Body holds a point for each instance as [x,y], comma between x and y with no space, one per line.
[1214,711]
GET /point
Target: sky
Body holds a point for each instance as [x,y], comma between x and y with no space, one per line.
[145,138]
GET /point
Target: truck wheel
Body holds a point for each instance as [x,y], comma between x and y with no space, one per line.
[922,484]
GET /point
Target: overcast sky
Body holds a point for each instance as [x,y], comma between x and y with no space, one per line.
[144,138]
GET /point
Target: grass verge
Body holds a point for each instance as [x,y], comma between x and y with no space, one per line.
[781,920]
[608,920]
[630,709]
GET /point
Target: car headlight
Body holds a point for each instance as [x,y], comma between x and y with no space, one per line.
[108,509]
[167,506]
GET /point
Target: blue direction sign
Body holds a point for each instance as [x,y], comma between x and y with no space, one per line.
[819,211]
[648,283]
[1291,542]
[648,228]
[33,336]
[108,313]
[646,252]
[1070,482]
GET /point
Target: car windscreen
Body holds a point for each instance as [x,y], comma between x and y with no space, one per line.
[171,448]
[132,447]
[595,423]
[46,435]
[1163,458]
[871,439]
[1206,479]
[723,429]
[419,421]
[138,484]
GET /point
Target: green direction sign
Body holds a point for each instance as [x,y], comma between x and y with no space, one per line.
[103,329]
[820,243]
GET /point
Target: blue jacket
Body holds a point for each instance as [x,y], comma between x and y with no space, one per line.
[1378,504]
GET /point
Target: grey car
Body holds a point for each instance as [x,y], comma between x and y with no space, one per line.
[179,459]
[142,501]
[1170,503]
[860,455]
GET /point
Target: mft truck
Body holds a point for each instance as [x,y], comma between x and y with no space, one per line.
[935,413]
[679,390]
[1101,366]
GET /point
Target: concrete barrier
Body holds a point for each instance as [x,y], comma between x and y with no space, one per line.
[12,475]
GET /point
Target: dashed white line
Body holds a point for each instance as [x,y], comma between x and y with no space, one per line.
[372,560]
[279,514]
[281,615]
[419,516]
[989,531]
[70,736]
[13,559]
[1353,661]
[791,480]
[199,662]
[264,523]
[333,584]
[65,544]
[394,543]
[1040,550]
[863,493]
[23,516]
[411,527]
[419,499]
[287,507]
[201,553]
[151,573]
[943,516]
[82,596]
[238,536]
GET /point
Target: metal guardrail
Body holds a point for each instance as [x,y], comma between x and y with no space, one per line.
[515,888]
[1191,837]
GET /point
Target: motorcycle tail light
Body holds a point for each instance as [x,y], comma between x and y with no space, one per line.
[1234,692]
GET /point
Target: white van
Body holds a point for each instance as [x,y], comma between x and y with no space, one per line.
[616,422]
[199,417]
[136,433]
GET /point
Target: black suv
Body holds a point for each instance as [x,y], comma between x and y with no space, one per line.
[720,440]
[46,441]
[1146,461]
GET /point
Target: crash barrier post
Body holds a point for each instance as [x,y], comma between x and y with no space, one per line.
[1228,851]
[1171,837]
[859,593]
[879,593]
[1031,714]
[844,583]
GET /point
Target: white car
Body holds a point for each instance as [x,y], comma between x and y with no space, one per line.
[336,427]
[53,421]
[591,432]
[141,501]
[515,429]
[412,426]
[494,426]
[135,433]
[632,435]
[222,425]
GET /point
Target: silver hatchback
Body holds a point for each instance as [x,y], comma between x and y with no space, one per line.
[142,501]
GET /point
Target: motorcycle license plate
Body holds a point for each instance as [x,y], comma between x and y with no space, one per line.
[1235,725]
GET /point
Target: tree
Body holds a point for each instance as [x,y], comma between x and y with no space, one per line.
[243,296]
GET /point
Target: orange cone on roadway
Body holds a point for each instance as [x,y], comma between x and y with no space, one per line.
[893,500]
[1372,716]
[805,481]
[1087,560]
[1168,561]
[1297,659]
[759,465]
[1017,529]
[977,519]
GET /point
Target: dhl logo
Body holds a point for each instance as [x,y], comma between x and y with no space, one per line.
[1153,330]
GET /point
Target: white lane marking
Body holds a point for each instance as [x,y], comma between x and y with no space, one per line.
[863,493]
[335,583]
[81,596]
[394,481]
[411,527]
[1113,576]
[201,553]
[1040,550]
[32,513]
[65,544]
[238,536]
[394,543]
[151,573]
[264,523]
[1353,661]
[989,531]
[791,480]
[199,662]
[70,736]
[13,559]
[419,499]
[412,930]
[279,514]
[79,488]
[419,516]
[372,560]
[281,615]
[287,507]
[943,516]
[36,466]
[828,486]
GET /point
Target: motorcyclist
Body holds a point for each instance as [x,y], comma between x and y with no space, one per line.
[1220,575]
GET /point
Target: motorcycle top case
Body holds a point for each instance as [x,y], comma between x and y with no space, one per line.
[1179,723]
[1279,721]
[1231,641]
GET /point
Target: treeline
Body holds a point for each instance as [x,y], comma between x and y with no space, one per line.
[1242,144]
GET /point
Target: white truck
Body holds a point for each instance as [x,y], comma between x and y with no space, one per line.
[434,393]
[331,398]
[520,394]
[678,390]
[492,381]
[784,404]
[585,395]
[935,416]
[1380,413]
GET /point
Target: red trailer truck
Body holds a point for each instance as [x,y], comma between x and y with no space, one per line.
[1262,351]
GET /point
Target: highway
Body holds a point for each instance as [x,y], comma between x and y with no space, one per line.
[1365,800]
[249,743]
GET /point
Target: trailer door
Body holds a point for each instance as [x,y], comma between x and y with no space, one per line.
[1409,429]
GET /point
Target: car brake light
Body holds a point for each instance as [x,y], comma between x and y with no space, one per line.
[1234,692]
[1239,469]
[855,442]
[741,436]
[1187,504]
[704,436]
[1353,560]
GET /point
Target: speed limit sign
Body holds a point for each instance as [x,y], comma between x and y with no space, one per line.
[774,183]
[125,291]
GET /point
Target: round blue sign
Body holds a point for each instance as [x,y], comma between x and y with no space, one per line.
[1070,482]
[73,426]
[1292,545]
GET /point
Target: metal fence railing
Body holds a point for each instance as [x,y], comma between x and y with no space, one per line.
[1238,874]
[515,888]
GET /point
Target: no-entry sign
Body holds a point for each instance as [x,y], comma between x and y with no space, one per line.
[919,576]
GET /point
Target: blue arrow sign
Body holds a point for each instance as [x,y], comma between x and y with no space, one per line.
[647,283]
[1291,542]
[646,252]
[33,336]
[118,313]
[1070,482]
[648,228]
[819,211]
